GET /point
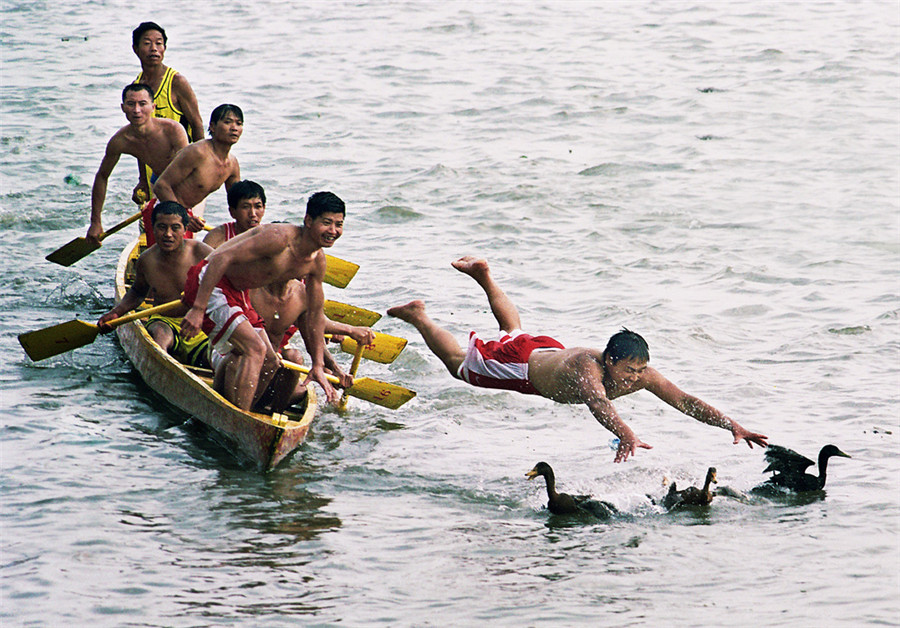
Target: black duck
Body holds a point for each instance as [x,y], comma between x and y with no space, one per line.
[789,469]
[565,504]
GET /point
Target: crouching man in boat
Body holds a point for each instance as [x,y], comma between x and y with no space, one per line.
[247,205]
[160,273]
[217,291]
[153,141]
[282,306]
[540,365]
[202,168]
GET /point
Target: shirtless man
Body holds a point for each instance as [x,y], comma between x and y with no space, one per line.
[170,90]
[282,306]
[202,167]
[247,205]
[160,273]
[217,291]
[153,141]
[542,366]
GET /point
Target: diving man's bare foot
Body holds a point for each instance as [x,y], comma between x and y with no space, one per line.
[475,267]
[412,311]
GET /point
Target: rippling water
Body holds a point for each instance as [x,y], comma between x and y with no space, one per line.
[720,177]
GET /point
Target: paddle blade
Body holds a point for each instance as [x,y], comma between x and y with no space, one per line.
[387,395]
[384,349]
[371,390]
[339,272]
[73,251]
[45,343]
[350,314]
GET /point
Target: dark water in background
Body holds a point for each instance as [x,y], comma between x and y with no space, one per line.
[722,178]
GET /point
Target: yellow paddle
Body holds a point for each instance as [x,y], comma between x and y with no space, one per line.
[45,343]
[368,389]
[384,349]
[350,314]
[339,272]
[354,367]
[82,247]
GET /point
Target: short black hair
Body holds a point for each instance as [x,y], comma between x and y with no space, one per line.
[627,345]
[170,207]
[323,203]
[219,112]
[142,28]
[136,87]
[245,189]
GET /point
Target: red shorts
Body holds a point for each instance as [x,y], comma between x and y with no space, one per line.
[503,363]
[228,307]
[147,215]
[287,336]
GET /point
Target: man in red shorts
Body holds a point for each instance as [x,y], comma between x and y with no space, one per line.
[217,291]
[540,365]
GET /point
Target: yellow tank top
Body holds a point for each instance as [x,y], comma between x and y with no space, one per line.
[165,108]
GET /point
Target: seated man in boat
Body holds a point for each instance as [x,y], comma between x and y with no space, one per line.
[282,306]
[160,273]
[540,365]
[201,168]
[217,292]
[153,141]
[247,205]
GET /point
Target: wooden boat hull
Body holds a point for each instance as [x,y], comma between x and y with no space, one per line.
[265,439]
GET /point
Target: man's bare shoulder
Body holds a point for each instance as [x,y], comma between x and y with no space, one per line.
[652,376]
[196,152]
[146,260]
[216,236]
[280,230]
[180,82]
[170,128]
[121,139]
[198,249]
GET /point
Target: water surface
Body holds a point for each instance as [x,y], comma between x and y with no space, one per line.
[722,178]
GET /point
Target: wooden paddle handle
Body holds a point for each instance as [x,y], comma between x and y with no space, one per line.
[159,309]
[119,226]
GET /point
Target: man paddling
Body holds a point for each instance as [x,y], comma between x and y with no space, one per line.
[153,141]
[160,273]
[203,167]
[218,288]
[542,366]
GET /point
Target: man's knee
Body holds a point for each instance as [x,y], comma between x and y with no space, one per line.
[246,341]
[162,334]
[453,363]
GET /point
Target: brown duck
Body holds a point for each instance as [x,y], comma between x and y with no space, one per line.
[565,504]
[691,496]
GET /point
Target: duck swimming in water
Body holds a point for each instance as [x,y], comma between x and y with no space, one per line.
[565,504]
[691,496]
[790,467]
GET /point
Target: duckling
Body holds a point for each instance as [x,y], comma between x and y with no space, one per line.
[565,504]
[691,496]
[789,469]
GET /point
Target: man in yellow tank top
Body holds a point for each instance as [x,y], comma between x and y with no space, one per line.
[172,93]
